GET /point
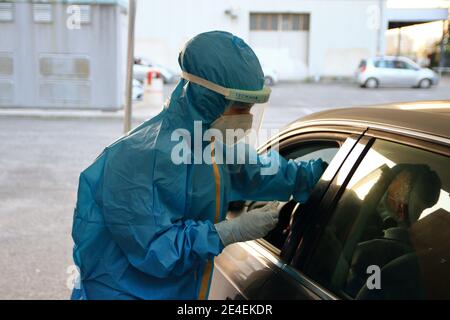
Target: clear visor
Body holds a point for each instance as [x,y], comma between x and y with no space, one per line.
[252,134]
[258,111]
[258,100]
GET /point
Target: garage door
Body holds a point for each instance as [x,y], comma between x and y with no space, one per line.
[281,41]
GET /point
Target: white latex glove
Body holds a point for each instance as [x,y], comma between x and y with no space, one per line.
[251,225]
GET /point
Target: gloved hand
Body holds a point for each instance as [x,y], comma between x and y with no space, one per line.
[251,225]
[308,175]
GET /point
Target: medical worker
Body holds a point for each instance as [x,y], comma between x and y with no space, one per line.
[148,227]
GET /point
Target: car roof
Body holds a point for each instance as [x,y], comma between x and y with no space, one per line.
[391,58]
[425,117]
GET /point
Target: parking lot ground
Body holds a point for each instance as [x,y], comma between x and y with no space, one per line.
[42,155]
[291,101]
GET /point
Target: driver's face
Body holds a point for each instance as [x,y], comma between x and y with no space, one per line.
[398,194]
[238,108]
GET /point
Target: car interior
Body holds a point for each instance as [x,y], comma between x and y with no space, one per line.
[387,228]
[386,217]
[305,151]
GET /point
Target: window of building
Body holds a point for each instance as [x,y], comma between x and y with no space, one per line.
[42,12]
[279,21]
[6,12]
[85,11]
[6,64]
[82,13]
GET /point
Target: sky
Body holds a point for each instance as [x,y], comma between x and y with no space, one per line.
[418,3]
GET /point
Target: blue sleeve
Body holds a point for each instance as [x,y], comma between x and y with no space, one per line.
[180,248]
[308,174]
[155,240]
[273,177]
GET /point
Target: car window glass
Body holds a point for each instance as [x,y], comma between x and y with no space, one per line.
[400,64]
[410,66]
[325,150]
[389,64]
[305,151]
[388,237]
[379,64]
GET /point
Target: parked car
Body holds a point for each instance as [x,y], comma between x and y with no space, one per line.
[140,72]
[394,71]
[377,224]
[167,75]
[270,76]
[138,90]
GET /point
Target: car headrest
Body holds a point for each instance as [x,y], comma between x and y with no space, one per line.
[424,194]
[420,188]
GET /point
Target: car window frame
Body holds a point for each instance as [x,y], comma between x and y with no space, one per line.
[285,141]
[415,140]
[329,200]
[299,136]
[292,142]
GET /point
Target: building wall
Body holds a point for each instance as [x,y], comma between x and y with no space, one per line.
[55,66]
[341,31]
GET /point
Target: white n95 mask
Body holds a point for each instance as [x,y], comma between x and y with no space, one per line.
[236,126]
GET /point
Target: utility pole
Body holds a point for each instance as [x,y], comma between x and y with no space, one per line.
[442,47]
[381,27]
[399,41]
[130,64]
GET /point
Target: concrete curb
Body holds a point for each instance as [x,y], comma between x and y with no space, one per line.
[138,114]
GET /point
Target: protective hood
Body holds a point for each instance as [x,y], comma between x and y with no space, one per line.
[218,57]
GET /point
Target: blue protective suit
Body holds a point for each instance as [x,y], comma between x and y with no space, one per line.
[144,227]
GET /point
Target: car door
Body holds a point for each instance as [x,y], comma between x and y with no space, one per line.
[385,234]
[290,282]
[405,74]
[243,269]
[383,72]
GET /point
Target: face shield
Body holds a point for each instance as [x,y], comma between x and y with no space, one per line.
[243,117]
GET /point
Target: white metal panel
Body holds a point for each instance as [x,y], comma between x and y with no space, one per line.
[6,92]
[65,93]
[74,81]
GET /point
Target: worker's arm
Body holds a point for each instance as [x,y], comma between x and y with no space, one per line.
[162,252]
[272,177]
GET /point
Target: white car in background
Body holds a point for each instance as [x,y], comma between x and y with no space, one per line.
[167,75]
[138,90]
[140,72]
[394,71]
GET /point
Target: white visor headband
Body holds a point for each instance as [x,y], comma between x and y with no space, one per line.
[247,96]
